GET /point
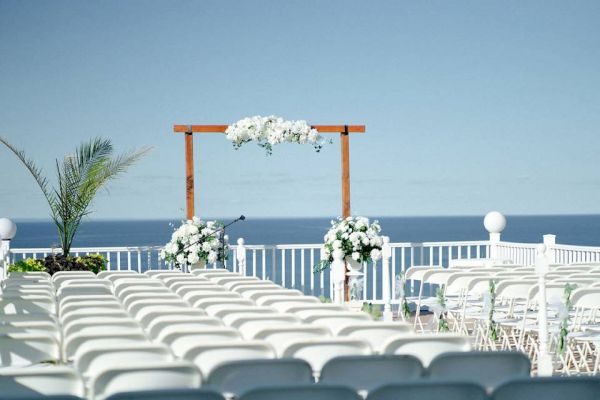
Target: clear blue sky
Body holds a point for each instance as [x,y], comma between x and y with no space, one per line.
[469,105]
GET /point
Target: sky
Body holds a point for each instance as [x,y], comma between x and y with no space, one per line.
[469,106]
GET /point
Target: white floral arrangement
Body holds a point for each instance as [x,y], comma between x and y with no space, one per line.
[359,240]
[195,241]
[272,130]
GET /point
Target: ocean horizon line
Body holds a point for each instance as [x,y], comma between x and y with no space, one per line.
[508,215]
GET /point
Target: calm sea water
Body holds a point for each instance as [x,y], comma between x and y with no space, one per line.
[570,229]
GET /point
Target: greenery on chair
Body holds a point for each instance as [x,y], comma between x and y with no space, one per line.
[79,178]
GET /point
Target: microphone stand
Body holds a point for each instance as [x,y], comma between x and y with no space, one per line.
[222,237]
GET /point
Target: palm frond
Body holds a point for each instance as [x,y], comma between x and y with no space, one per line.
[35,171]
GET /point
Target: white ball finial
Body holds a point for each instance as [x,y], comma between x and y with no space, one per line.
[240,241]
[494,222]
[8,229]
[386,240]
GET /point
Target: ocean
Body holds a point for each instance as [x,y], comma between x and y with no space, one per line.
[569,229]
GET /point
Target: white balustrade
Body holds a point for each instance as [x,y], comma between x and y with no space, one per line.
[292,265]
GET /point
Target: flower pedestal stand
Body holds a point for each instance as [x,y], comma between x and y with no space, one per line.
[199,265]
[356,284]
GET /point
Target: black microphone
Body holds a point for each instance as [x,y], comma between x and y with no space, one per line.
[222,230]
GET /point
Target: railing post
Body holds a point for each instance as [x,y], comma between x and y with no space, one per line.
[8,230]
[550,241]
[545,367]
[494,222]
[4,258]
[240,254]
[385,275]
[337,275]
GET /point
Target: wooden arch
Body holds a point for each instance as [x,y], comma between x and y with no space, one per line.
[189,130]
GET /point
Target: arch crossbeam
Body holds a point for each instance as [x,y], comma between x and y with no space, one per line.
[343,130]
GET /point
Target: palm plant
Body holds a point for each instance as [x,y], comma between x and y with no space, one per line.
[79,177]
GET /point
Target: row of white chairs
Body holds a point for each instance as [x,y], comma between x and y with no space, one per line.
[177,322]
[466,291]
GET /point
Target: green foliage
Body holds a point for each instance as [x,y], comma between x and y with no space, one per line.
[374,310]
[491,323]
[321,266]
[324,299]
[93,262]
[441,300]
[79,178]
[564,323]
[400,289]
[27,265]
[54,263]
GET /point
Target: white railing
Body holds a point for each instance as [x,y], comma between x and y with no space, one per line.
[518,253]
[289,265]
[567,254]
[292,265]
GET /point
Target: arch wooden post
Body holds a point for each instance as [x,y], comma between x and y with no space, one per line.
[189,174]
[345,143]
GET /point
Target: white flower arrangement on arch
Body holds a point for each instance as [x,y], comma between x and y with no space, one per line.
[359,240]
[272,130]
[195,241]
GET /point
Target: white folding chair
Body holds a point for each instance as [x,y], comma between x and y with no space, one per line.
[123,284]
[241,287]
[134,297]
[280,336]
[149,313]
[375,333]
[313,309]
[209,356]
[81,299]
[220,303]
[30,275]
[318,351]
[249,325]
[182,288]
[138,305]
[257,294]
[109,356]
[27,305]
[173,321]
[99,324]
[209,271]
[85,341]
[196,298]
[21,349]
[118,274]
[338,320]
[231,313]
[151,273]
[169,274]
[181,340]
[224,280]
[83,315]
[39,327]
[426,346]
[145,377]
[41,381]
[132,290]
[92,306]
[82,289]
[282,302]
[84,281]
